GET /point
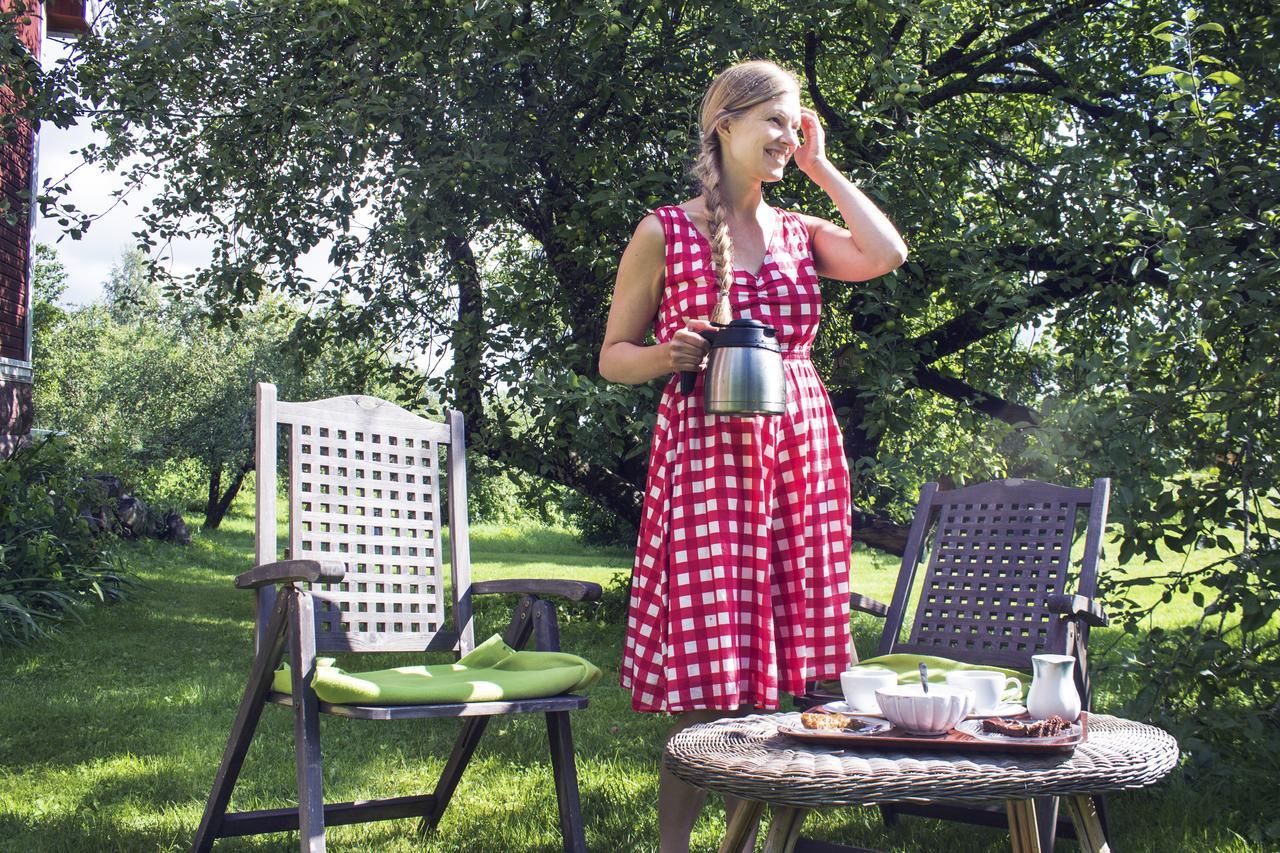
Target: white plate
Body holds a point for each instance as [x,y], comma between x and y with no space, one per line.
[846,708]
[1004,709]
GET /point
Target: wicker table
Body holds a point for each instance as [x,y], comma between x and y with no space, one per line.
[747,757]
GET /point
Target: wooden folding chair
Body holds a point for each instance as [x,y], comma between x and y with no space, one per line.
[364,572]
[994,593]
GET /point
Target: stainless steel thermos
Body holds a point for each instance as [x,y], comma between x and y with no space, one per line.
[744,371]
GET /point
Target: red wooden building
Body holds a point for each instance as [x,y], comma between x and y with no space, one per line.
[18,158]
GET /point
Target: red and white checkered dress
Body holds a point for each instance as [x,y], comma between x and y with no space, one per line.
[741,581]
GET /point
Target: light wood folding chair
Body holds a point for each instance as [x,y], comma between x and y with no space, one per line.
[364,572]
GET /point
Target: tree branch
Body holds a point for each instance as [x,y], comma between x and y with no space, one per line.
[981,401]
[939,67]
[1072,278]
[957,62]
[879,532]
[830,118]
[895,34]
[972,86]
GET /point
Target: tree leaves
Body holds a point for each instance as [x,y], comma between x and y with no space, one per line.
[1076,225]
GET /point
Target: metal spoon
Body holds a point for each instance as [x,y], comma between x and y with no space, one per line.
[924,678]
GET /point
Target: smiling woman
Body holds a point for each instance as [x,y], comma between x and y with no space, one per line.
[741,579]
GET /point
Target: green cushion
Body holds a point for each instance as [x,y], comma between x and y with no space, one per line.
[908,669]
[492,672]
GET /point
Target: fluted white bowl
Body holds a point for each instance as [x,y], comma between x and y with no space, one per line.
[909,708]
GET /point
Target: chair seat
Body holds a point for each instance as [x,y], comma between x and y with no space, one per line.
[492,672]
[567,702]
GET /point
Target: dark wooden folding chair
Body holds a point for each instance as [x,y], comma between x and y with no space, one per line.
[995,592]
[364,572]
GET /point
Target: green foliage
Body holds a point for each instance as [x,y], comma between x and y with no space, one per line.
[598,526]
[1091,215]
[158,394]
[52,560]
[498,494]
[1215,681]
[615,598]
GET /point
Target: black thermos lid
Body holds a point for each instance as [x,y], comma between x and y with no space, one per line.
[746,332]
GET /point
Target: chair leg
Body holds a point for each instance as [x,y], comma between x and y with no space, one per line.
[306,724]
[246,722]
[889,815]
[1024,836]
[1100,809]
[1047,822]
[566,777]
[1082,809]
[463,748]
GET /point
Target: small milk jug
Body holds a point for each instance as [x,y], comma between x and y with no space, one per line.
[1053,688]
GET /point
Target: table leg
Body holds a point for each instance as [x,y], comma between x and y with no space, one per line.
[1023,831]
[1088,828]
[745,820]
[784,830]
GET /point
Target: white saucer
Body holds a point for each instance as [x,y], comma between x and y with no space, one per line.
[846,708]
[1004,709]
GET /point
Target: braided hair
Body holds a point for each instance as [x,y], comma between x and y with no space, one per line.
[736,89]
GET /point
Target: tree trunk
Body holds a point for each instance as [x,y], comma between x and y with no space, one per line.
[467,375]
[217,505]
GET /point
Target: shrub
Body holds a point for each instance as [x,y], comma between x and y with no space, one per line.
[598,526]
[53,558]
[1213,682]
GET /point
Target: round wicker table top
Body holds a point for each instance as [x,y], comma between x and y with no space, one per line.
[748,757]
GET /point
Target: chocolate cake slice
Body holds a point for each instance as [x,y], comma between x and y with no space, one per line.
[1049,727]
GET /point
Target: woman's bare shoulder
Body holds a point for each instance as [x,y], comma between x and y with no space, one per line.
[695,208]
[811,223]
[649,231]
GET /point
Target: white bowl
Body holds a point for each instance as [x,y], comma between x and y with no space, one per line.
[919,713]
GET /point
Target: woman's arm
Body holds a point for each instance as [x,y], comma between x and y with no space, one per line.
[870,246]
[624,356]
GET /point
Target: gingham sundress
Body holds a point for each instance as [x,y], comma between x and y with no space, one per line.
[741,581]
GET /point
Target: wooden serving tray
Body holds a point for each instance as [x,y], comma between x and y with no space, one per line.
[954,740]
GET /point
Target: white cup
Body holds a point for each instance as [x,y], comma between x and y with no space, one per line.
[859,687]
[987,687]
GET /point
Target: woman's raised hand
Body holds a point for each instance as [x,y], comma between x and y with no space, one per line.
[688,349]
[813,150]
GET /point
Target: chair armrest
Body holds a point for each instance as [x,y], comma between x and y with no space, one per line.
[292,571]
[1079,607]
[868,605]
[572,590]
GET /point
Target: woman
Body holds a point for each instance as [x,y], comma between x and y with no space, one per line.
[740,588]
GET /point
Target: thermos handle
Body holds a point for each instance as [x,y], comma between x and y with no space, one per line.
[689,377]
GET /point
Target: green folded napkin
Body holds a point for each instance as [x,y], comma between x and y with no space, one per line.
[492,672]
[907,668]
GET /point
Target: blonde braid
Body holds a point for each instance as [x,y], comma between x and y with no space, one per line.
[736,89]
[707,170]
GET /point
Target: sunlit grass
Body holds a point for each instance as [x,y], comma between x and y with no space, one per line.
[112,730]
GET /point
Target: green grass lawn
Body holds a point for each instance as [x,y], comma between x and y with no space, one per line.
[110,733]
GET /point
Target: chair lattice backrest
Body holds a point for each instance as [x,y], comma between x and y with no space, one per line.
[364,487]
[1000,550]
